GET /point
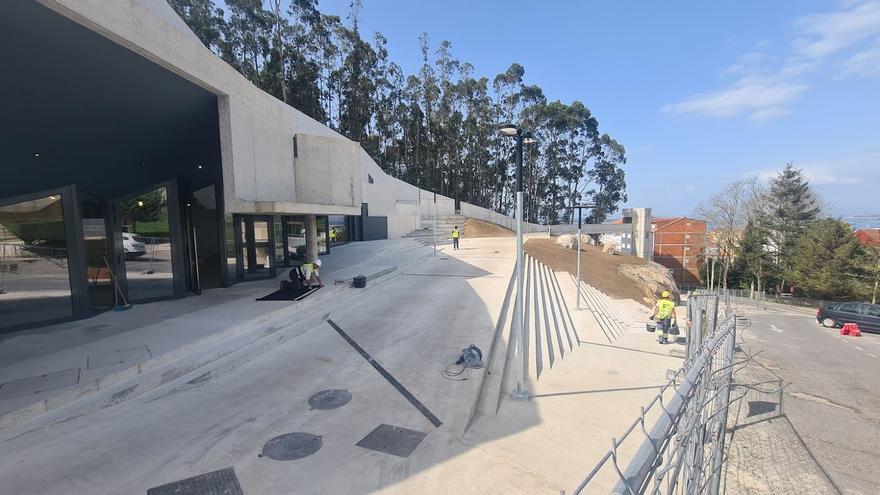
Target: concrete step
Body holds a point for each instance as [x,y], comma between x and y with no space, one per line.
[210,356]
[502,352]
[600,305]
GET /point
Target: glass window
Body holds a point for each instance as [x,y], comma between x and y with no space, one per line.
[849,308]
[97,251]
[338,231]
[296,238]
[34,277]
[279,242]
[229,233]
[205,224]
[871,310]
[322,234]
[262,249]
[146,239]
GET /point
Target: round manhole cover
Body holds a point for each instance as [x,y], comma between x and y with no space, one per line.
[292,446]
[330,399]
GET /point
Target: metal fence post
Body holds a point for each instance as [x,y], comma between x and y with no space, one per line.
[729,351]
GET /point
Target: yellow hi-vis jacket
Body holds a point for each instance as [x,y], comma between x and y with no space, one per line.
[455,233]
[665,309]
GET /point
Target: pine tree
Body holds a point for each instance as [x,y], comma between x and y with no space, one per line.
[791,208]
[825,261]
[751,250]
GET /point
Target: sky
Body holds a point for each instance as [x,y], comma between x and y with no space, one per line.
[700,93]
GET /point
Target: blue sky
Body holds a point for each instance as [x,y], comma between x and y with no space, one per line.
[700,93]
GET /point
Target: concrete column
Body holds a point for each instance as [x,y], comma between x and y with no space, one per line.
[311,238]
[643,244]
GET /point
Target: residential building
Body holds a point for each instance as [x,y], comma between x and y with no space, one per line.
[868,237]
[679,244]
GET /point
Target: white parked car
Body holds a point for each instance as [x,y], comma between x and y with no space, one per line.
[133,245]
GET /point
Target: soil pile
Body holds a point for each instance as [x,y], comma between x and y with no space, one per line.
[618,275]
[474,228]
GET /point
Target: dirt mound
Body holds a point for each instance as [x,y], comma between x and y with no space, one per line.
[653,278]
[474,228]
[618,275]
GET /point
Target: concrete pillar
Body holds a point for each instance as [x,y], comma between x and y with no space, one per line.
[311,238]
[643,243]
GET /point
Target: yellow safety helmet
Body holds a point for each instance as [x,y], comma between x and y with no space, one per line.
[664,294]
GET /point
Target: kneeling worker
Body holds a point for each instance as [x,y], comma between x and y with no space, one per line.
[664,311]
[310,269]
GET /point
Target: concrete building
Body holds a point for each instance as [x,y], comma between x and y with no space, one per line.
[138,166]
[679,244]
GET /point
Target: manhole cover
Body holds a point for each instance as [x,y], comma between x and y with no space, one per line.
[393,440]
[292,446]
[219,482]
[330,399]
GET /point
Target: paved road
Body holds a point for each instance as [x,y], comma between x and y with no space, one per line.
[824,436]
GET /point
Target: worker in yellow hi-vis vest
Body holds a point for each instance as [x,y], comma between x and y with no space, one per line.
[664,312]
[455,235]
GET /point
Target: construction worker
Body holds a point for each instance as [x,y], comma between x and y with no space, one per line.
[664,311]
[455,235]
[310,269]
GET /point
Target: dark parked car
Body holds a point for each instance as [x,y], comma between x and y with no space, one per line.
[866,316]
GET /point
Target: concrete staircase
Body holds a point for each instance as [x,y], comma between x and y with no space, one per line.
[445,224]
[600,306]
[549,334]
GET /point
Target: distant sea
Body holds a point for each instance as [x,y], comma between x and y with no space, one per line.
[863,221]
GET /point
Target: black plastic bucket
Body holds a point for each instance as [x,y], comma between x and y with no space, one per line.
[359,282]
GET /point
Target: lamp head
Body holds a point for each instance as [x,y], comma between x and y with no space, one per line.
[508,130]
[528,138]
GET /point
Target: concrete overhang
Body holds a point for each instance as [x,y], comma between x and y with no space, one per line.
[257,131]
[283,208]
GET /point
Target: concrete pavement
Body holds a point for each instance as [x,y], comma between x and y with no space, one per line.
[45,368]
[413,326]
[820,435]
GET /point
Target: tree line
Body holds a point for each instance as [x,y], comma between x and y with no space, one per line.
[775,237]
[436,129]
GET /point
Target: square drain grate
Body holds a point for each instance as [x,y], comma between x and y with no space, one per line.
[222,482]
[392,440]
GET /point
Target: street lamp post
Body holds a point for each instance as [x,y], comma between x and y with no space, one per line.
[580,208]
[510,130]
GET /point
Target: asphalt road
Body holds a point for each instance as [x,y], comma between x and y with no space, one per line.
[823,433]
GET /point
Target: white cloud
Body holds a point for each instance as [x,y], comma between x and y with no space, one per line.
[822,35]
[760,100]
[765,85]
[842,171]
[749,63]
[865,63]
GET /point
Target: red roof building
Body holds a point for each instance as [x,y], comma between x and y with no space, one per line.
[679,244]
[868,237]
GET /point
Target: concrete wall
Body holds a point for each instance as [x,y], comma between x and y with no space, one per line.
[256,129]
[327,171]
[389,197]
[445,205]
[485,214]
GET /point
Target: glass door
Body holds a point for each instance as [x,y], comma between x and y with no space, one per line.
[98,257]
[204,232]
[256,247]
[34,269]
[150,245]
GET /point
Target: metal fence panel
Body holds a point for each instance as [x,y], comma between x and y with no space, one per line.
[681,448]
